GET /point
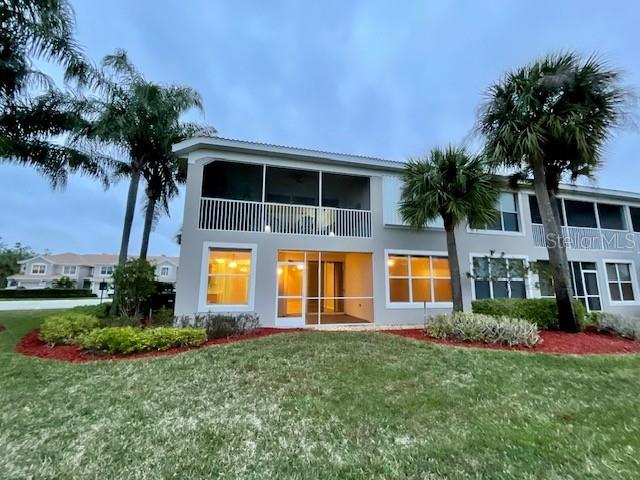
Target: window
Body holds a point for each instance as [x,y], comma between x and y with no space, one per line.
[228,276]
[580,214]
[69,270]
[164,271]
[507,219]
[499,277]
[635,218]
[620,282]
[611,216]
[416,279]
[38,269]
[535,210]
[584,282]
[106,270]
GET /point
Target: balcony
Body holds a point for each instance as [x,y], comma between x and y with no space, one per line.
[589,225]
[585,238]
[239,197]
[246,216]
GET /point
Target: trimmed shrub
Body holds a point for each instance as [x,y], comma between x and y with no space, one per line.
[27,294]
[475,327]
[118,340]
[222,325]
[163,317]
[628,327]
[541,311]
[66,328]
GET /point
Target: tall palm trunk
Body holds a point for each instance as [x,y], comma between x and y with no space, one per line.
[563,248]
[148,222]
[454,265]
[128,216]
[557,256]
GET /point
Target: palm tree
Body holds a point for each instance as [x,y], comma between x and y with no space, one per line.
[548,120]
[139,119]
[32,110]
[455,186]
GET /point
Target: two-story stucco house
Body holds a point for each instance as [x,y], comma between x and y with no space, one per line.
[310,238]
[86,270]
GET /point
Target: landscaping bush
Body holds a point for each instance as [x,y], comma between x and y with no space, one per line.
[66,328]
[27,294]
[474,327]
[541,311]
[163,317]
[133,283]
[628,327]
[63,282]
[118,340]
[221,325]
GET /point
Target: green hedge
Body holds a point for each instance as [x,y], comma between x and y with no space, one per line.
[67,328]
[27,294]
[132,339]
[541,311]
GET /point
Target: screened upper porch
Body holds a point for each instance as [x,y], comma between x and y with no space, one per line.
[263,198]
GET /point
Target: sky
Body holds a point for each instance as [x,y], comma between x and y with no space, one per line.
[380,78]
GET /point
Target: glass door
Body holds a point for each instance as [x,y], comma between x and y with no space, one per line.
[291,286]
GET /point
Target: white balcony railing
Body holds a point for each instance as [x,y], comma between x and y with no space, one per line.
[246,216]
[585,238]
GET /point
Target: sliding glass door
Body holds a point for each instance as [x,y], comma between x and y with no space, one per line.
[337,287]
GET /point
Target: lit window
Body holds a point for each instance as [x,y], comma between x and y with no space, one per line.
[69,270]
[164,271]
[106,270]
[499,277]
[507,216]
[229,272]
[38,269]
[416,279]
[620,282]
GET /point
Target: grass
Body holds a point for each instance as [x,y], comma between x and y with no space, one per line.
[318,406]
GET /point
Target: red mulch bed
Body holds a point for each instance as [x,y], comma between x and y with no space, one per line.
[2,327]
[32,346]
[583,343]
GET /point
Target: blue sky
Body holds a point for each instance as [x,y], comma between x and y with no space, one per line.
[355,77]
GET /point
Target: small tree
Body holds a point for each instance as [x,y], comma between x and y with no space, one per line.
[63,282]
[455,186]
[135,281]
[9,258]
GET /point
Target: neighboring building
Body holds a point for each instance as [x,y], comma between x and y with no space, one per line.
[87,271]
[305,237]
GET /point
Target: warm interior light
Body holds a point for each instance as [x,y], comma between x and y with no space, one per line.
[244,269]
[279,270]
[300,267]
[391,262]
[220,260]
[233,264]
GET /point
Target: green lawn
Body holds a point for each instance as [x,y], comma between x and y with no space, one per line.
[318,405]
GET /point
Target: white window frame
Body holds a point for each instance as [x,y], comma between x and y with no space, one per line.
[526,278]
[413,305]
[168,270]
[521,225]
[69,274]
[108,274]
[634,281]
[44,272]
[203,306]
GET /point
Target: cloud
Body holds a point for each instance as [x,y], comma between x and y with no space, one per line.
[363,77]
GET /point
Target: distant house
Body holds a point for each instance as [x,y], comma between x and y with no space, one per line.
[87,271]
